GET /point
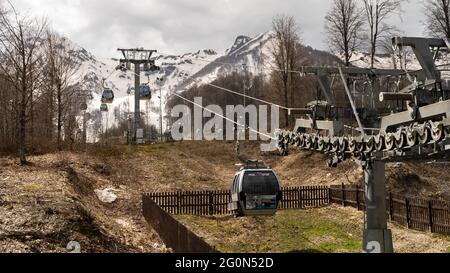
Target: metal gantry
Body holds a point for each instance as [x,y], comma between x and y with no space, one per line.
[321,115]
[422,132]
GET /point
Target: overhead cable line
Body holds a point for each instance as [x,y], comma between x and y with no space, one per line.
[225,118]
[240,94]
[247,96]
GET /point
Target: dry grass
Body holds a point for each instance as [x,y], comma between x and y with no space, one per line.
[330,230]
[51,202]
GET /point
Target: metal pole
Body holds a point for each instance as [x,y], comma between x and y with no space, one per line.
[355,111]
[130,130]
[372,93]
[147,110]
[130,121]
[245,85]
[377,236]
[137,100]
[160,113]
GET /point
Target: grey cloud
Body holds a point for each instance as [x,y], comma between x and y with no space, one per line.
[185,25]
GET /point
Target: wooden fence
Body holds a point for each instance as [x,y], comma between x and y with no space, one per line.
[205,203]
[414,213]
[304,197]
[174,234]
[193,202]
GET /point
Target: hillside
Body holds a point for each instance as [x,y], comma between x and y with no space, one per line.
[51,202]
[331,229]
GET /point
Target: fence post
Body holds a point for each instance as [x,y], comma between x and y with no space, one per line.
[343,194]
[330,198]
[211,203]
[300,199]
[407,212]
[391,206]
[179,202]
[430,215]
[357,196]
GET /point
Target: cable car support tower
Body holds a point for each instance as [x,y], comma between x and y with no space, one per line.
[138,57]
[419,133]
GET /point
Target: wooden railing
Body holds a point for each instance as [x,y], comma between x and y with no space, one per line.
[414,213]
[205,203]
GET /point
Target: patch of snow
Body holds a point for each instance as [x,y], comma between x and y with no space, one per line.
[106,196]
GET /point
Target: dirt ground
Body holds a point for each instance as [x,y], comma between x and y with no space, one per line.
[51,202]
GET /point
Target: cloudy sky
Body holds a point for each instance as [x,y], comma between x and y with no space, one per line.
[180,26]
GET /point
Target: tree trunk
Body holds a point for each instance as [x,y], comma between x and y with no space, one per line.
[31,133]
[51,112]
[447,20]
[347,59]
[286,101]
[22,132]
[59,124]
[372,59]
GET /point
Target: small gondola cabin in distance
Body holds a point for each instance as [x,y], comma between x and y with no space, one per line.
[104,107]
[256,191]
[145,92]
[107,96]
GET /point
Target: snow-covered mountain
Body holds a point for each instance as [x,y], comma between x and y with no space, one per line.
[178,72]
[254,53]
[182,71]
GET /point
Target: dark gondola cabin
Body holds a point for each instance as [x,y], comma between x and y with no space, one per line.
[104,107]
[107,96]
[255,192]
[145,92]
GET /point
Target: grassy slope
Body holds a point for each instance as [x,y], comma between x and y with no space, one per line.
[288,231]
[329,230]
[211,165]
[41,205]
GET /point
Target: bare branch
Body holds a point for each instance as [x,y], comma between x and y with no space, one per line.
[377,13]
[437,13]
[344,25]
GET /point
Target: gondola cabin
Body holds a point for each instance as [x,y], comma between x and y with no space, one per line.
[104,107]
[145,92]
[107,96]
[255,192]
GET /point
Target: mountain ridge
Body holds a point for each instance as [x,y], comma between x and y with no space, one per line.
[204,65]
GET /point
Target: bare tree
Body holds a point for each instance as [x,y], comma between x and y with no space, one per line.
[61,69]
[21,38]
[344,25]
[7,118]
[285,52]
[437,13]
[377,12]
